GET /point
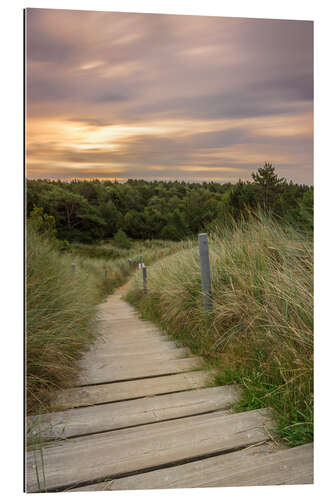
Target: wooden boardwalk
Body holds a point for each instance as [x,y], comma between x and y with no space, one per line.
[144,415]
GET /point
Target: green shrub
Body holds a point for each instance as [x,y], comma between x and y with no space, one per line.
[43,223]
[121,239]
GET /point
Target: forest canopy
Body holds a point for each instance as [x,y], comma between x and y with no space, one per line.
[87,211]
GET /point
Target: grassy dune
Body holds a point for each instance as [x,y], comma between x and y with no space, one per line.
[260,330]
[61,309]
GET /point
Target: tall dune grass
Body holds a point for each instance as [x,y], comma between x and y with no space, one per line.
[61,312]
[260,329]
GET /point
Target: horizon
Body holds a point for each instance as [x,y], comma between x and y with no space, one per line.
[117,181]
[111,94]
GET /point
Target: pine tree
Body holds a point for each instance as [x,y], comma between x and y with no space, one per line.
[269,184]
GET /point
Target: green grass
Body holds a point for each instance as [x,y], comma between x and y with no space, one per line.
[109,250]
[61,309]
[260,330]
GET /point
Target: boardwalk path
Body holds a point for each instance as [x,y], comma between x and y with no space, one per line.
[143,415]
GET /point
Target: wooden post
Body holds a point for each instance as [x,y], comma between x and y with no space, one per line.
[144,275]
[73,267]
[122,267]
[205,271]
[105,273]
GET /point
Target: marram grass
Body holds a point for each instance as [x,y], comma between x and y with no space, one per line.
[260,330]
[61,311]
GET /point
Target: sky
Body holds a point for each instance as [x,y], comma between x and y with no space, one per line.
[152,96]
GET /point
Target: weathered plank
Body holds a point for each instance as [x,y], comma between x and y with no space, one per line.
[130,338]
[119,316]
[139,340]
[108,321]
[97,457]
[125,326]
[132,348]
[132,322]
[119,391]
[103,372]
[139,357]
[255,466]
[135,412]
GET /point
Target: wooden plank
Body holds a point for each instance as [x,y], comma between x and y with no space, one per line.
[120,315]
[119,391]
[256,466]
[103,372]
[100,456]
[107,320]
[123,339]
[132,348]
[127,335]
[114,306]
[139,357]
[129,322]
[61,425]
[176,476]
[117,307]
[122,321]
[129,338]
[129,347]
[123,365]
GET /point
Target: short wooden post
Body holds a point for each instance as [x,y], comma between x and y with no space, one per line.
[122,267]
[144,276]
[205,271]
[73,268]
[105,273]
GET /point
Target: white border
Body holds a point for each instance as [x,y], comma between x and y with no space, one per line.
[11,246]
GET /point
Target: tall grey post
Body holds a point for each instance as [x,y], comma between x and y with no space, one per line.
[144,276]
[205,271]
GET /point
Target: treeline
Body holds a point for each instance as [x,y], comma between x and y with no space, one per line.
[86,211]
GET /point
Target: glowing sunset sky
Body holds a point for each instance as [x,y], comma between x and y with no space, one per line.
[167,97]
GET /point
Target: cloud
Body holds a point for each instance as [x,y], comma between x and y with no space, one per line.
[101,69]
